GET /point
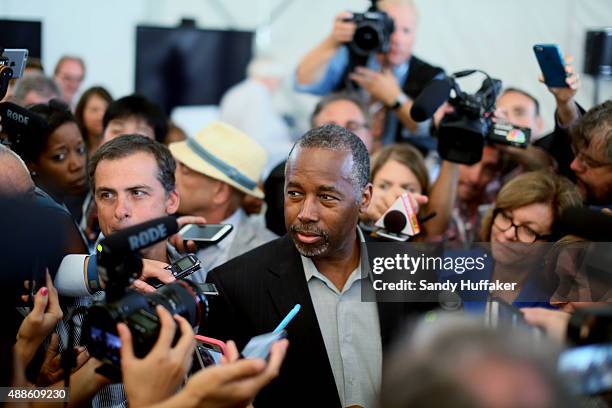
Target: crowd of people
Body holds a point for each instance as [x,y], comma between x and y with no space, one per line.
[304,214]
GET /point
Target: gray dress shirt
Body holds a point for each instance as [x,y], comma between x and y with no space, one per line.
[351,333]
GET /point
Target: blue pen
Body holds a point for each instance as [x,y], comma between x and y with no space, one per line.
[281,326]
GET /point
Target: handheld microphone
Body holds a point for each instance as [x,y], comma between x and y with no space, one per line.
[77,276]
[139,236]
[399,222]
[430,99]
[593,225]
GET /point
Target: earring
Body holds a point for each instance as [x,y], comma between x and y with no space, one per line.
[33,173]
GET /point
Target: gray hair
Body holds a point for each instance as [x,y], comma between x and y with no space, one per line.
[444,348]
[595,124]
[38,83]
[11,183]
[353,97]
[334,137]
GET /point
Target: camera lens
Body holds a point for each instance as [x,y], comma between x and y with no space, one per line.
[183,298]
[366,39]
[138,312]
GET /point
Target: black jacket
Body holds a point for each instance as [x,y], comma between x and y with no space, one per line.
[258,289]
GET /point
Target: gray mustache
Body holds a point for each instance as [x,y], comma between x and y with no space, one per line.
[310,229]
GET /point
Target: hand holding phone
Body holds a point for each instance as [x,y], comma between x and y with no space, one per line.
[208,352]
[179,269]
[552,65]
[205,234]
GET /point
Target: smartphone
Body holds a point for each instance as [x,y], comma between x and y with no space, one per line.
[588,369]
[552,65]
[507,134]
[208,352]
[179,269]
[259,346]
[17,58]
[500,313]
[205,234]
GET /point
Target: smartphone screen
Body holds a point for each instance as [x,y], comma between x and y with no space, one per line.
[552,64]
[208,356]
[502,314]
[209,233]
[104,343]
[588,369]
[259,346]
[208,352]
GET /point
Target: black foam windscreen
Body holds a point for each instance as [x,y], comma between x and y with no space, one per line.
[140,236]
[395,221]
[593,225]
[430,99]
[17,120]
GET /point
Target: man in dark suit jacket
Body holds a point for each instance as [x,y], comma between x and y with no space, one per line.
[326,189]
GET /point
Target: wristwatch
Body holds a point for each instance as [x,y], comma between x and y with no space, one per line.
[399,101]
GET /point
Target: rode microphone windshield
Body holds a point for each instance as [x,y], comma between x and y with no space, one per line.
[139,236]
[19,122]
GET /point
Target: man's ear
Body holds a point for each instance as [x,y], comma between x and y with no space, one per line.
[366,197]
[172,202]
[222,192]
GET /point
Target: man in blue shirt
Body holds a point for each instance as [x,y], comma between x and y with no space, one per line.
[391,80]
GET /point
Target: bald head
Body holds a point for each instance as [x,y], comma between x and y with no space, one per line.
[14,175]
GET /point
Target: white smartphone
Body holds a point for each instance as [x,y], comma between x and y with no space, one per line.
[205,234]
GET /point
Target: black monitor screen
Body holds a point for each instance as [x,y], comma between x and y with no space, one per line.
[21,34]
[189,66]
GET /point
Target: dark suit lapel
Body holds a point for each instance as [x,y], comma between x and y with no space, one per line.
[390,315]
[288,287]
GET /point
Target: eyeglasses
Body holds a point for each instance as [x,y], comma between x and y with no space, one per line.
[351,125]
[503,221]
[587,161]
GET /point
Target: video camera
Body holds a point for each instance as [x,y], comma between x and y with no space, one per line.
[119,264]
[462,133]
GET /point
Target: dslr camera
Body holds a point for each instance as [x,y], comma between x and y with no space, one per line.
[119,264]
[373,32]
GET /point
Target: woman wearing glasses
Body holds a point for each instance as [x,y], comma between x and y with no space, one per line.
[525,215]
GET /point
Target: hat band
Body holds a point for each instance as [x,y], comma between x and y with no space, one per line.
[220,165]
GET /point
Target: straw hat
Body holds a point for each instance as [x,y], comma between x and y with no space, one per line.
[224,153]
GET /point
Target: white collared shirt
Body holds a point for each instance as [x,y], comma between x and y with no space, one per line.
[218,254]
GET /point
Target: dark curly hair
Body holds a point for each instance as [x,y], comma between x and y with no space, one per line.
[55,114]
